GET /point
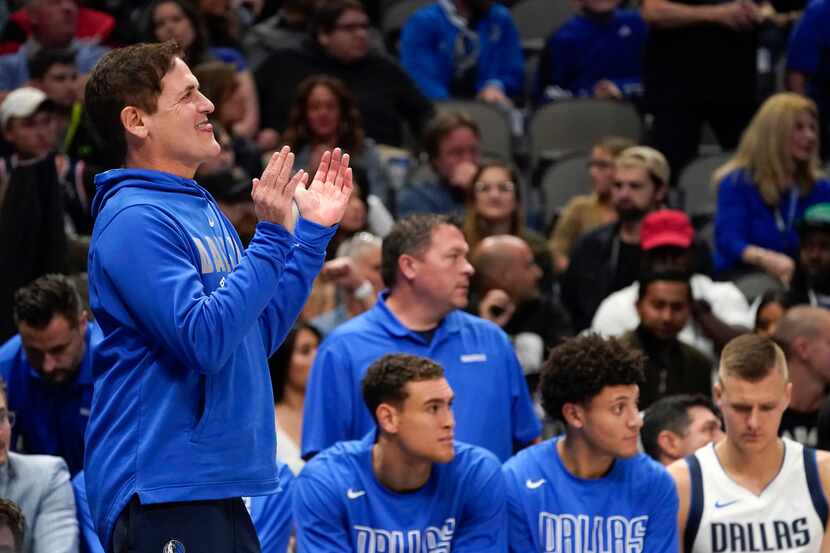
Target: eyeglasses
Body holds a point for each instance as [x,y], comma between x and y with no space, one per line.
[505,187]
[352,27]
[7,416]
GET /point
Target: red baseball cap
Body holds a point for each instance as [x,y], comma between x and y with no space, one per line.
[666,227]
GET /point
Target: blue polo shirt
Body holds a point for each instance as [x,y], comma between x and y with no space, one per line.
[340,506]
[492,405]
[51,418]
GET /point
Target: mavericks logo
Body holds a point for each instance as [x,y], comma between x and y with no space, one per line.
[173,546]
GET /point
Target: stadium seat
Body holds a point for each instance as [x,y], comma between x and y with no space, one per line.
[562,181]
[394,18]
[537,19]
[695,181]
[496,137]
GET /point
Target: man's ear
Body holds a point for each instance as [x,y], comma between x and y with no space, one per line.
[406,266]
[387,417]
[574,415]
[660,193]
[132,119]
[669,444]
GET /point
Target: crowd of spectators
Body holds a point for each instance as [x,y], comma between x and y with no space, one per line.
[441,244]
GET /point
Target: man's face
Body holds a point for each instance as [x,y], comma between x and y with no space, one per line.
[54,21]
[523,274]
[60,83]
[664,308]
[601,170]
[32,136]
[705,427]
[348,41]
[55,351]
[633,193]
[815,258]
[817,349]
[178,135]
[459,146]
[441,274]
[752,411]
[5,430]
[368,265]
[425,422]
[612,420]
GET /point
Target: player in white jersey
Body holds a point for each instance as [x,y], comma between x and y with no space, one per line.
[753,491]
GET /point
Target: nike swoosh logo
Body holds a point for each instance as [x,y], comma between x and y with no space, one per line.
[719,505]
[352,494]
[532,485]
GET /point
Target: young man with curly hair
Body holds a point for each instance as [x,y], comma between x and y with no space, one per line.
[590,489]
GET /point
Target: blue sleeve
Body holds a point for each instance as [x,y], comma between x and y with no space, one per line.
[732,221]
[483,527]
[320,524]
[661,531]
[808,39]
[301,268]
[328,409]
[272,515]
[147,259]
[520,534]
[422,60]
[89,539]
[526,425]
[506,67]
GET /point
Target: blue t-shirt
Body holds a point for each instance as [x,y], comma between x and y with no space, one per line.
[51,418]
[633,508]
[492,405]
[339,505]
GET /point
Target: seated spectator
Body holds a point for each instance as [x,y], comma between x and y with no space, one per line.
[48,369]
[356,273]
[762,192]
[494,207]
[719,311]
[506,284]
[271,515]
[324,114]
[769,308]
[39,485]
[284,29]
[407,479]
[54,24]
[807,69]
[672,367]
[28,125]
[677,426]
[12,527]
[464,49]
[181,20]
[803,333]
[608,258]
[289,367]
[338,45]
[584,213]
[811,281]
[55,73]
[590,488]
[597,53]
[452,142]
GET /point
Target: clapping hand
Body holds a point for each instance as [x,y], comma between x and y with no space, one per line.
[325,199]
[273,192]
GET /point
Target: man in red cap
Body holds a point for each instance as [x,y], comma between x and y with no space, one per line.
[718,310]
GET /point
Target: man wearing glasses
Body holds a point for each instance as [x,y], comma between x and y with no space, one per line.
[39,485]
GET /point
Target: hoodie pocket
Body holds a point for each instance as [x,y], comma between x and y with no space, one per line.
[207,409]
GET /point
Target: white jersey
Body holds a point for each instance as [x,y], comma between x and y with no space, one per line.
[789,515]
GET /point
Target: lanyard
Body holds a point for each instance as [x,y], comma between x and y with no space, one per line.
[779,219]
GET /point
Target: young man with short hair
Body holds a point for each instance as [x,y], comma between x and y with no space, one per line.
[676,426]
[753,491]
[407,486]
[590,489]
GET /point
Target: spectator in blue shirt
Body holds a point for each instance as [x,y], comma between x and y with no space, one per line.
[596,53]
[464,49]
[48,369]
[766,187]
[408,485]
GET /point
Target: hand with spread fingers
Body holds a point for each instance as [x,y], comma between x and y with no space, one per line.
[326,198]
[274,191]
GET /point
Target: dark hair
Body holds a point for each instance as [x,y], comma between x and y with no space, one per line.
[648,279]
[579,368]
[197,52]
[671,413]
[443,124]
[41,61]
[475,228]
[411,235]
[751,357]
[12,517]
[767,298]
[327,12]
[36,303]
[614,145]
[129,76]
[217,81]
[386,379]
[350,127]
[280,362]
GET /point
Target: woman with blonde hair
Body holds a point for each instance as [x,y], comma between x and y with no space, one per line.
[766,187]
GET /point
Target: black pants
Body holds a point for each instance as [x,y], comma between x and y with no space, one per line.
[217,526]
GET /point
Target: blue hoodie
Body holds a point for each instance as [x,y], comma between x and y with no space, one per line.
[182,408]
